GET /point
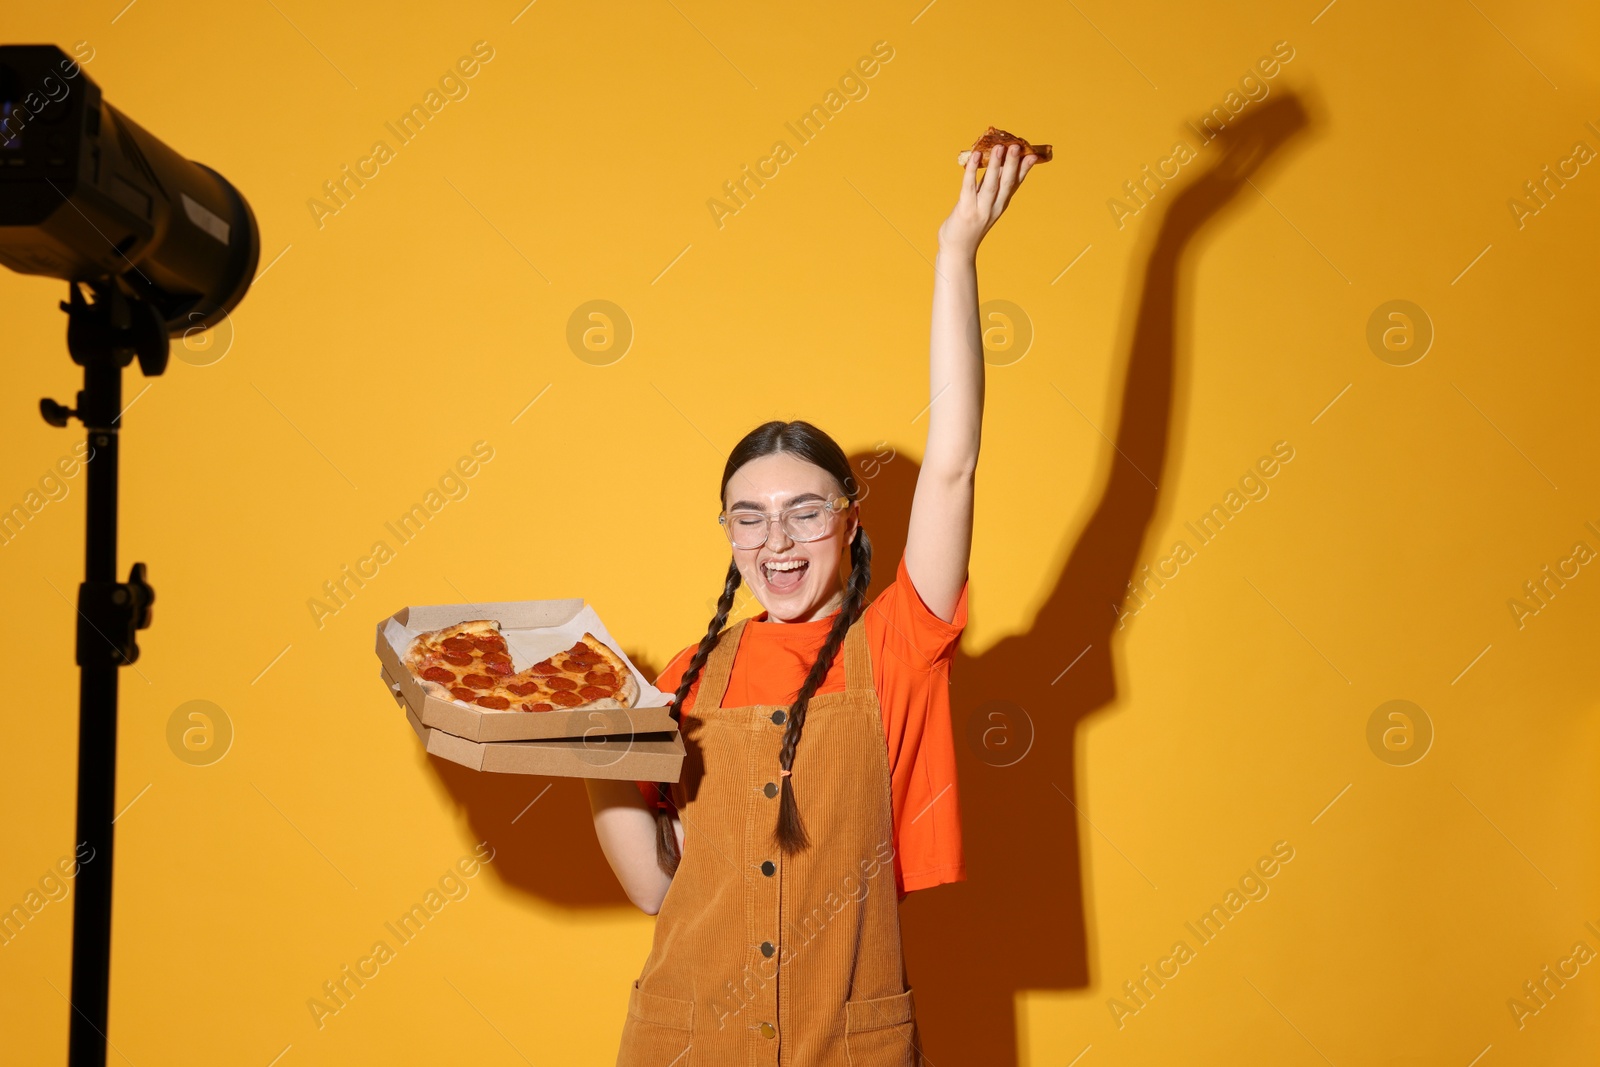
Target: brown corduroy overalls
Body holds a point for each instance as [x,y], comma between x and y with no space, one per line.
[763,958]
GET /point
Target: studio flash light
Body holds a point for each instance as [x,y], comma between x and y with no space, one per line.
[86,193]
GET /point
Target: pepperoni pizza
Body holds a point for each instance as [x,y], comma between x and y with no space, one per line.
[468,663]
[993,138]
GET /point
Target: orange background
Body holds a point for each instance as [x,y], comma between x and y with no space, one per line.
[1121,798]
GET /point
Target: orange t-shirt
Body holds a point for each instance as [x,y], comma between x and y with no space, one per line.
[912,649]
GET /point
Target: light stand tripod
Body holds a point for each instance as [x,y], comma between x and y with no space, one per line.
[103,337]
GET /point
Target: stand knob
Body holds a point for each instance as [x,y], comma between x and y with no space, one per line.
[55,414]
[140,597]
[109,616]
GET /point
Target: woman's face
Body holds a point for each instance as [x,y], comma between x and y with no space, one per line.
[812,590]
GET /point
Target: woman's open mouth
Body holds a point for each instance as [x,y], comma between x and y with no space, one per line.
[784,575]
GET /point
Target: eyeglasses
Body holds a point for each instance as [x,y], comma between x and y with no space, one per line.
[803,522]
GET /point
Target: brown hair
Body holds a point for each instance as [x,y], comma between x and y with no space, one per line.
[812,445]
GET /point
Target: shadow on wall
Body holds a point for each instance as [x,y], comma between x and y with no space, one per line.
[1018,922]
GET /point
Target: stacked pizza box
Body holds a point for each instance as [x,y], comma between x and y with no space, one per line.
[638,742]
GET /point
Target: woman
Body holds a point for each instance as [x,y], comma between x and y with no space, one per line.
[820,764]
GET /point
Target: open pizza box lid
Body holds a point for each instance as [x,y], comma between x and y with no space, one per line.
[652,757]
[534,630]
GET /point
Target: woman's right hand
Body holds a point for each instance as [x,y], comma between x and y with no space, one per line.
[981,204]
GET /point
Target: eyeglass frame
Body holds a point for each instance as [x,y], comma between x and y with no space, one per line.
[833,505]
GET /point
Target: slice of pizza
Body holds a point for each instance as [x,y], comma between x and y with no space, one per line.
[468,663]
[993,138]
[442,659]
[588,675]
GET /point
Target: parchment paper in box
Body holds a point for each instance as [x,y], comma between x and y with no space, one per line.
[534,630]
[641,758]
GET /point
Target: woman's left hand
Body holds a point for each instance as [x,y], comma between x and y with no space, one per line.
[982,203]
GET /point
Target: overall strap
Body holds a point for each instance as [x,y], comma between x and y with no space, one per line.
[714,677]
[857,660]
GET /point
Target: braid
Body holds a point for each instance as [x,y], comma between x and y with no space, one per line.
[790,834]
[667,854]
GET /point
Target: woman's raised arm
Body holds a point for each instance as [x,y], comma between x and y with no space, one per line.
[939,540]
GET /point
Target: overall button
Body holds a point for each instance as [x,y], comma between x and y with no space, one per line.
[771,789]
[767,950]
[768,1030]
[768,868]
[779,716]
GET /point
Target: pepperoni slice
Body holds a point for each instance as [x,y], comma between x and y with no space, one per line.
[523,689]
[501,669]
[457,644]
[573,667]
[460,659]
[461,693]
[494,703]
[577,647]
[562,683]
[478,681]
[545,668]
[594,692]
[439,674]
[538,707]
[566,699]
[496,657]
[490,643]
[600,678]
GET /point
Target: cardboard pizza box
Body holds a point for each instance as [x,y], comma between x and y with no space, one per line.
[640,757]
[533,629]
